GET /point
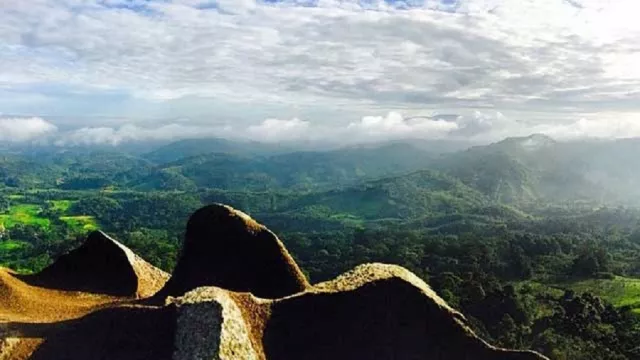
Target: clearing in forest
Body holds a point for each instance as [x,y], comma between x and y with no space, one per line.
[81,222]
[27,214]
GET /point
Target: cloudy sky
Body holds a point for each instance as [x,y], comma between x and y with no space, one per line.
[112,71]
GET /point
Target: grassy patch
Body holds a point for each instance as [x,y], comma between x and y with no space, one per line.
[84,223]
[619,291]
[27,214]
[61,205]
[16,197]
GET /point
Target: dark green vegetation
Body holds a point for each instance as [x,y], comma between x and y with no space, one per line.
[537,242]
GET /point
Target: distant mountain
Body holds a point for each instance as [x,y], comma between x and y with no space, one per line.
[517,170]
[439,146]
[68,169]
[400,197]
[193,147]
[297,170]
[17,171]
[539,168]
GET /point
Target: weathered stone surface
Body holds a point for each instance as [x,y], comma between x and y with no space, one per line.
[210,325]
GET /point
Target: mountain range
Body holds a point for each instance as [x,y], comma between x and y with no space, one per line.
[513,171]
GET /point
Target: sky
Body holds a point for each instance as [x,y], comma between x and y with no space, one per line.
[115,71]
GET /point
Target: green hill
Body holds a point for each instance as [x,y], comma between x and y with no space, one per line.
[193,147]
[401,197]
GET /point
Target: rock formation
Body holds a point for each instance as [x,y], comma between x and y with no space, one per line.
[226,248]
[376,311]
[235,294]
[103,266]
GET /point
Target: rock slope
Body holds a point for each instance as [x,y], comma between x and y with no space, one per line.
[236,293]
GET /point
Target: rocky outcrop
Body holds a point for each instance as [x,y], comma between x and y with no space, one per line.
[236,293]
[101,265]
[226,248]
[376,311]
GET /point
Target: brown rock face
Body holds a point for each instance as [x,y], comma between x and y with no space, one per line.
[224,247]
[103,266]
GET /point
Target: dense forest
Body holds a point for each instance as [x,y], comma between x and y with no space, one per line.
[527,237]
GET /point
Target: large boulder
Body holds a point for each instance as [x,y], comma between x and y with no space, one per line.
[100,265]
[226,248]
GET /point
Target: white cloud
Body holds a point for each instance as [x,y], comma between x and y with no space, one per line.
[23,129]
[506,54]
[604,126]
[273,130]
[486,127]
[477,126]
[392,126]
[132,133]
[395,126]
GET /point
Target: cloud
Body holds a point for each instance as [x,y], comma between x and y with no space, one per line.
[476,127]
[395,126]
[132,133]
[24,129]
[605,126]
[274,130]
[509,55]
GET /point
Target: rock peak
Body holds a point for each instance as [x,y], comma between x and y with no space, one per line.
[226,248]
[100,265]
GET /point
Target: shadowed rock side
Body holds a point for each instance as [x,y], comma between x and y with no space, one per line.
[224,247]
[122,333]
[101,265]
